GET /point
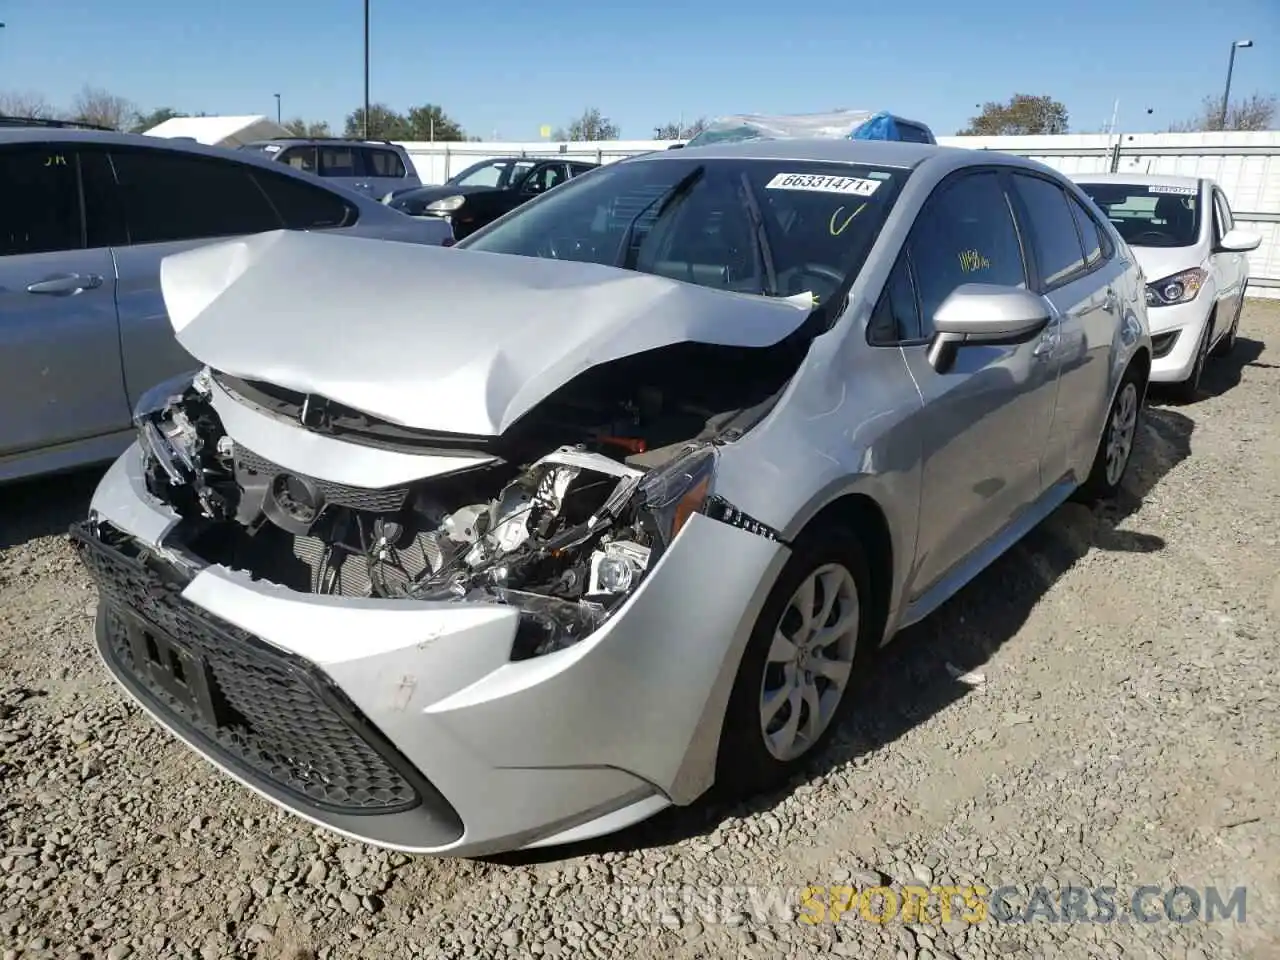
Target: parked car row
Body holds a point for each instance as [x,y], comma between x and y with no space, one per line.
[484,191]
[520,542]
[89,216]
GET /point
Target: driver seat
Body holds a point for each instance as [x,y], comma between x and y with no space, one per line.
[1175,213]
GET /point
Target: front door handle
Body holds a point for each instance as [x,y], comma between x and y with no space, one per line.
[1111,302]
[65,284]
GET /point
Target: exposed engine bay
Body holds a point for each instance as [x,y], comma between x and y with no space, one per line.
[565,536]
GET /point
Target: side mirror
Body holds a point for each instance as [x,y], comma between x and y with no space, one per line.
[983,313]
[1240,241]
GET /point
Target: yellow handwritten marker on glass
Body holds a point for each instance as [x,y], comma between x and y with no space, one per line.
[832,225]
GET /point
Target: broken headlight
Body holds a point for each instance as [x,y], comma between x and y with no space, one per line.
[169,422]
[658,507]
[166,447]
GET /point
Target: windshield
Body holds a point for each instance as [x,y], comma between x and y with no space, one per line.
[773,227]
[492,173]
[1149,215]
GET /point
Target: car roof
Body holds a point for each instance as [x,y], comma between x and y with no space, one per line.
[1138,179]
[886,153]
[19,135]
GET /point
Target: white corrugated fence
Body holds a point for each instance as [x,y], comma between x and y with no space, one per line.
[1245,165]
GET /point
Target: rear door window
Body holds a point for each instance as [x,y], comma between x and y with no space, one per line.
[169,196]
[383,163]
[1053,235]
[301,158]
[39,200]
[304,206]
[338,161]
[1090,232]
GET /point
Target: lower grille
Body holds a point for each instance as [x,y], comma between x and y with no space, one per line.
[357,498]
[271,717]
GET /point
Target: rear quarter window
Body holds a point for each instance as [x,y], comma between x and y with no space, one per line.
[304,206]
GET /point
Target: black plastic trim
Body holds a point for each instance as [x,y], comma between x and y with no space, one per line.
[167,583]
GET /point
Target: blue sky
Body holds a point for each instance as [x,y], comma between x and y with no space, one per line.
[511,67]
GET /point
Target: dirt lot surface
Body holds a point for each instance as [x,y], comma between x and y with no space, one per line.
[1119,727]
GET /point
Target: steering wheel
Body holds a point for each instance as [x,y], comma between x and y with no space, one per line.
[828,273]
[1149,234]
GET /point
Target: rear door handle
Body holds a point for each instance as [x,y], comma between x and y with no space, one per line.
[1112,300]
[1047,346]
[65,284]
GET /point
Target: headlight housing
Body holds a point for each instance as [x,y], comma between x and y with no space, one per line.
[445,204]
[1177,288]
[663,501]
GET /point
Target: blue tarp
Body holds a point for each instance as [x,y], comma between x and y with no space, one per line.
[879,127]
[839,124]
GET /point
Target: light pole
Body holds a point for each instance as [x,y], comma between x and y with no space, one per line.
[277,96]
[1226,94]
[366,69]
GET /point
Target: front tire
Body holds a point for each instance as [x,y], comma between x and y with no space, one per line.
[1188,390]
[1227,344]
[793,683]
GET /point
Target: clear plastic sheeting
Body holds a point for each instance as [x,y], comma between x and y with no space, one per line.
[834,125]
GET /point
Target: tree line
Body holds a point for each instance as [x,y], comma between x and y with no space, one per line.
[1027,114]
[1021,114]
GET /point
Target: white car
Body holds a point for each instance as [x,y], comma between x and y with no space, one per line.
[1194,259]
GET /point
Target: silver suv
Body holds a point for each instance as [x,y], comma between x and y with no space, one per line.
[372,167]
[88,216]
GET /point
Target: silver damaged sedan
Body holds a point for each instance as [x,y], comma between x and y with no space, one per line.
[459,551]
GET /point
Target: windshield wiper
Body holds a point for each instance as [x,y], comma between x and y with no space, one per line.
[662,202]
[764,256]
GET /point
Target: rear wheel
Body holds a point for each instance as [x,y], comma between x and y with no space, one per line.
[1115,449]
[795,676]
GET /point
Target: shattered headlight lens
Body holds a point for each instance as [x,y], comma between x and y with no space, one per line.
[165,441]
[675,492]
[163,395]
[667,497]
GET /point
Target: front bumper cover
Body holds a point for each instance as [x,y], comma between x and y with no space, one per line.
[524,753]
[269,718]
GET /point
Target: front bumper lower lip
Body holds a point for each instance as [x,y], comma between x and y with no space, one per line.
[268,718]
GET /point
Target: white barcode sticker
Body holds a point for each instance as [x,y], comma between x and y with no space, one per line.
[1180,191]
[817,183]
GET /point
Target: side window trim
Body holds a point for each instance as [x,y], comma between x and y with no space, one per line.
[1084,269]
[1105,248]
[909,269]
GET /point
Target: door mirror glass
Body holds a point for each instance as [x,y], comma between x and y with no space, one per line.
[982,313]
[1240,241]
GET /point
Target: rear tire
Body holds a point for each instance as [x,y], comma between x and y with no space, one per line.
[794,681]
[1119,436]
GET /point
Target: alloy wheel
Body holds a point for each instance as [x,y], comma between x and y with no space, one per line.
[810,661]
[1121,431]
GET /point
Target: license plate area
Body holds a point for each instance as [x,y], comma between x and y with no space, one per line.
[174,668]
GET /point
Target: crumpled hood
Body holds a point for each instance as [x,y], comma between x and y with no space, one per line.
[432,338]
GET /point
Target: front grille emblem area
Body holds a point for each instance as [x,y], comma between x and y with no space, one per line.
[314,413]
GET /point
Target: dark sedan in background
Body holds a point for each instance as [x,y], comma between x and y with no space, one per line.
[486,190]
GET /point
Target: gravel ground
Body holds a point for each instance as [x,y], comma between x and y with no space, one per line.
[1119,726]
